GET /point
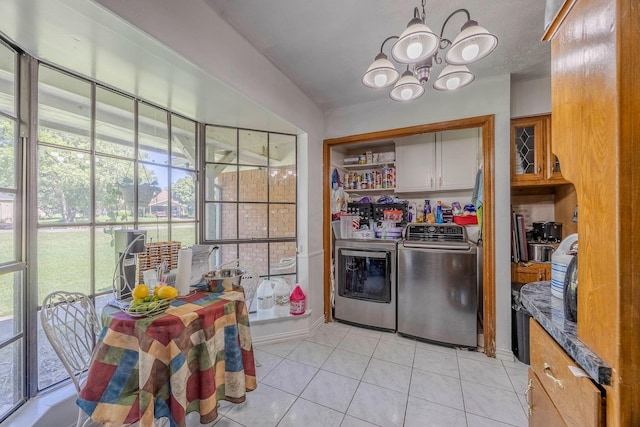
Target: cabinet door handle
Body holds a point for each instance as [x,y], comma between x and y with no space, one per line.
[526,396]
[539,169]
[431,182]
[547,372]
[440,181]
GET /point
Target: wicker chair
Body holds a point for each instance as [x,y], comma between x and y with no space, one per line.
[70,322]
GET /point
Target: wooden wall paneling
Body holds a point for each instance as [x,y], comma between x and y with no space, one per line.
[595,105]
[488,148]
[584,125]
[628,344]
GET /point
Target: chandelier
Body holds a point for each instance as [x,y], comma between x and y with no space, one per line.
[418,47]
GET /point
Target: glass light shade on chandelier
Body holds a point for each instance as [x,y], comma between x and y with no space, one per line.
[381,73]
[419,47]
[408,88]
[453,77]
[471,45]
[417,42]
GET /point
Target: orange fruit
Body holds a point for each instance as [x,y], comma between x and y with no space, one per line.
[140,291]
[167,292]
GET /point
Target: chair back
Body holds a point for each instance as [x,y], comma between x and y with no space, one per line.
[70,322]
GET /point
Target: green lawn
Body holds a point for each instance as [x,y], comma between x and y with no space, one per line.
[64,261]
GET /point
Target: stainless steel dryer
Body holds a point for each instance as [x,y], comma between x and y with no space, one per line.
[438,288]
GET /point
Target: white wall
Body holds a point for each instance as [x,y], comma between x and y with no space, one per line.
[200,35]
[531,97]
[489,96]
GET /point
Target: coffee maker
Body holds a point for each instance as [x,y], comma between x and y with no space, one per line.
[128,243]
[547,232]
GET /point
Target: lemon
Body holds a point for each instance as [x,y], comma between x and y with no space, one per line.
[157,288]
[167,292]
[140,291]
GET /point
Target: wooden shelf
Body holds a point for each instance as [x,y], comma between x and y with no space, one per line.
[371,190]
[368,165]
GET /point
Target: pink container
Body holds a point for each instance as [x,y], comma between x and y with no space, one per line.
[297,301]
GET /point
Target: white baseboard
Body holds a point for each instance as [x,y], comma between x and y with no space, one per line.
[504,354]
[290,335]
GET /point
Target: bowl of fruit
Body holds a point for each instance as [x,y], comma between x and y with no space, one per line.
[146,303]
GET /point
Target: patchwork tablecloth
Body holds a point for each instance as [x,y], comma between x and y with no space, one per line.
[197,352]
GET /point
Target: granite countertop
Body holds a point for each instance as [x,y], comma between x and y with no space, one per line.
[549,313]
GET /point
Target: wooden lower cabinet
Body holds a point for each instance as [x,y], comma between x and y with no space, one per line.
[542,412]
[534,272]
[577,399]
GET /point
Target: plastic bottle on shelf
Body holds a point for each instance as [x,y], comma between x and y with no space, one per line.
[427,208]
[265,299]
[439,218]
[281,292]
[420,214]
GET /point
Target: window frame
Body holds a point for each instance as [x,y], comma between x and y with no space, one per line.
[237,202]
[92,225]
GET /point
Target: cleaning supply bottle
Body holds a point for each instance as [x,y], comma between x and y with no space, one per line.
[281,292]
[439,218]
[427,208]
[298,301]
[420,214]
[265,299]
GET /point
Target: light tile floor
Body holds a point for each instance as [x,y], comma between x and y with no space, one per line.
[354,377]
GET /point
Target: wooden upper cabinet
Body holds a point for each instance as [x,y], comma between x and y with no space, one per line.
[532,158]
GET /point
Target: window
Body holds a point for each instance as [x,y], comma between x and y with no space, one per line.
[250,198]
[106,161]
[100,160]
[12,265]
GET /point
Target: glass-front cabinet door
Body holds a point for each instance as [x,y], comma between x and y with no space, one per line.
[532,158]
[527,149]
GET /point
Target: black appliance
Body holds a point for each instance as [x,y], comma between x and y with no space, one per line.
[547,232]
[571,290]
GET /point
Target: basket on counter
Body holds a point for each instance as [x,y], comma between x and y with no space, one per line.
[465,219]
[157,253]
[363,210]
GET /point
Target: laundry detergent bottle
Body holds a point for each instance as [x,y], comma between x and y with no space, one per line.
[439,218]
[281,295]
[265,299]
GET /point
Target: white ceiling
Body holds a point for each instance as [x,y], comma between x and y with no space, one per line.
[87,39]
[326,46]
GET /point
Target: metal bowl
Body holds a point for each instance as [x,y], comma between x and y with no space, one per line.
[226,279]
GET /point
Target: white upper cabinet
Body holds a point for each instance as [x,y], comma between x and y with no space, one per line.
[457,154]
[415,157]
[438,161]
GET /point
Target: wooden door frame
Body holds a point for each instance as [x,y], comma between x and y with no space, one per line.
[487,123]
